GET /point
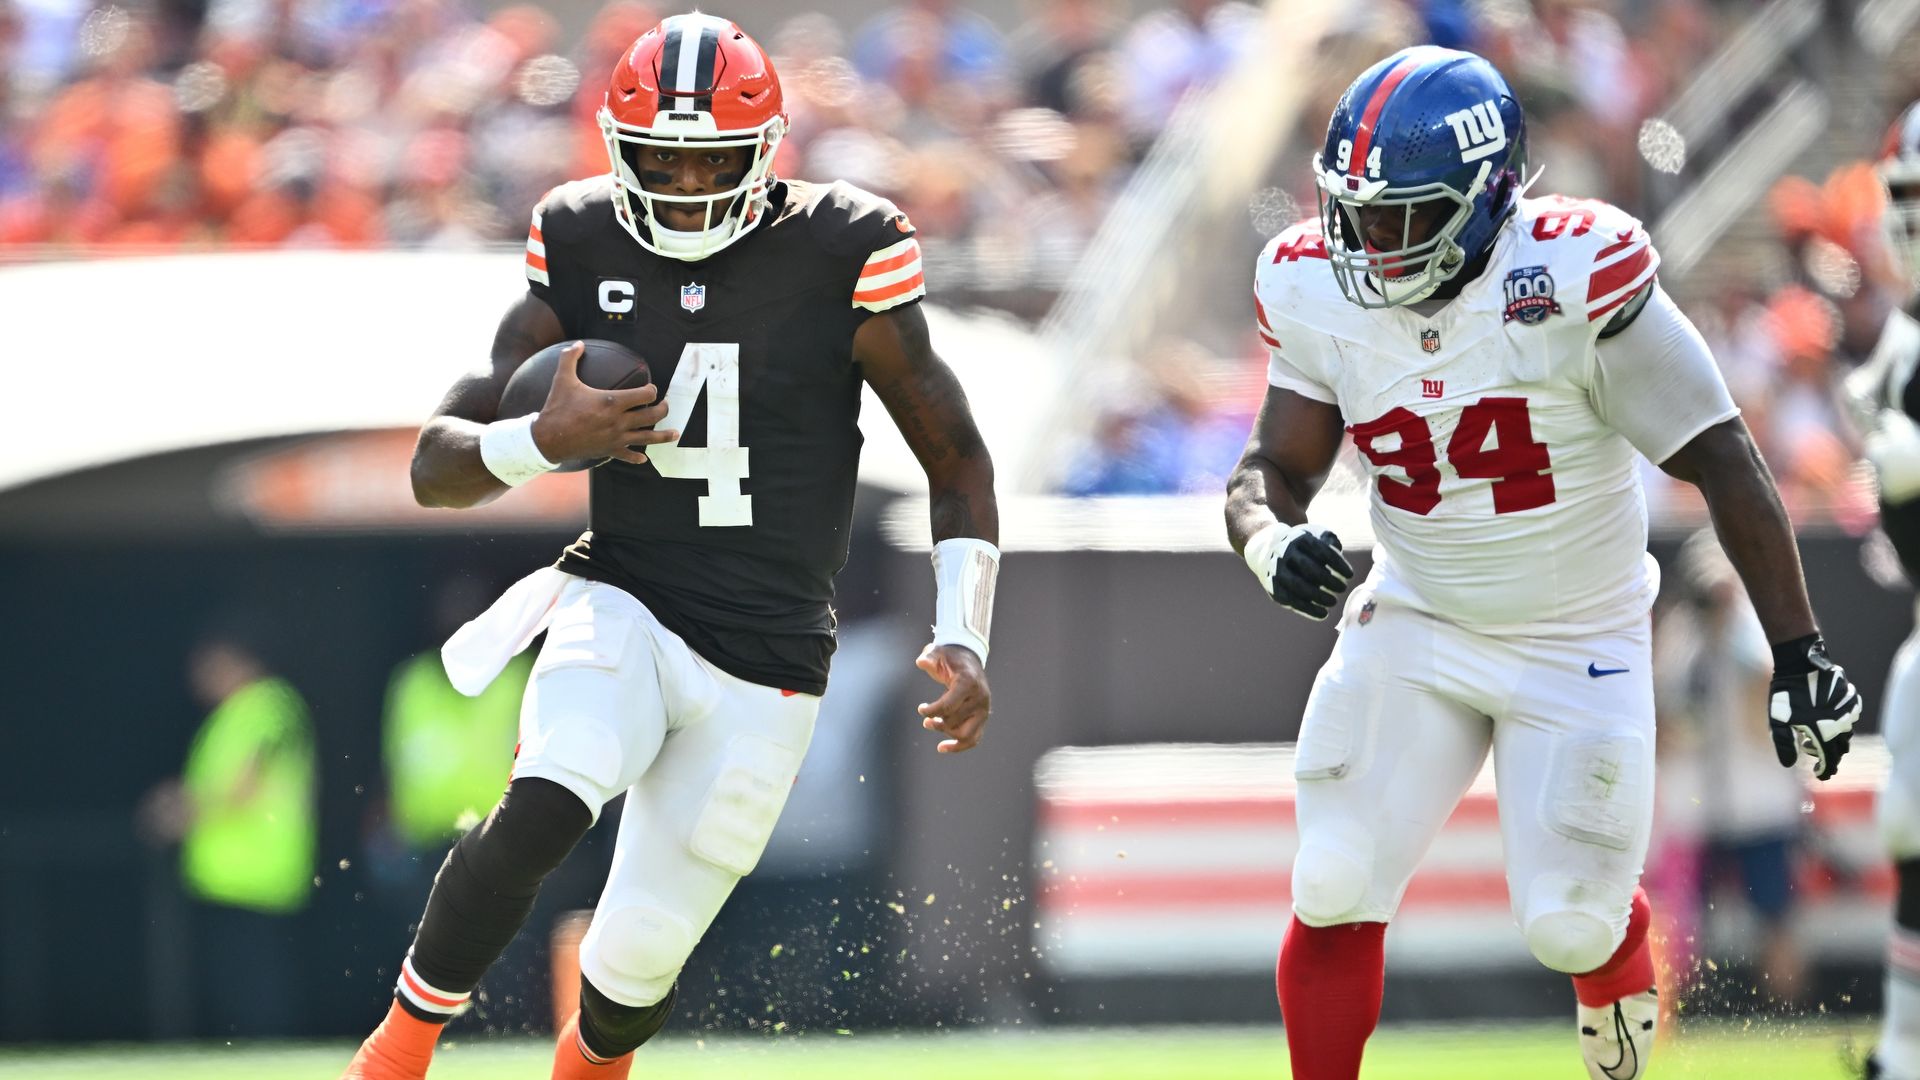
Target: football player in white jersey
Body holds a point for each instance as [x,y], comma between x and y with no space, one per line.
[1499,361]
[1875,391]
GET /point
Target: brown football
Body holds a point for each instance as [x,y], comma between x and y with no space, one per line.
[605,365]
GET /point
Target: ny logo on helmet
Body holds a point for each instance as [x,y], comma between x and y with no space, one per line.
[1480,131]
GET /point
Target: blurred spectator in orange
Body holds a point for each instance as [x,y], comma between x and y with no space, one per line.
[1804,446]
[117,127]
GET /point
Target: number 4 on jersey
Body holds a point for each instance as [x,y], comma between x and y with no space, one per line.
[722,463]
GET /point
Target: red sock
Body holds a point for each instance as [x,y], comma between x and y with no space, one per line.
[1630,970]
[1330,980]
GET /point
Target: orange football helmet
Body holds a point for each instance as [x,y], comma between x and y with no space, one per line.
[699,80]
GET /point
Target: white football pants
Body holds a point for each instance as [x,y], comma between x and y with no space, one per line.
[1399,723]
[618,702]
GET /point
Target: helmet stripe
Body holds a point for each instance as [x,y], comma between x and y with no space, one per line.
[669,63]
[707,55]
[1363,137]
[684,84]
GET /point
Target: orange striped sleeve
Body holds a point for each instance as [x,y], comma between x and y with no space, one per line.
[892,276]
[898,292]
[537,252]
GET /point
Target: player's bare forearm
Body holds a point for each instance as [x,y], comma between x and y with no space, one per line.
[1288,455]
[930,408]
[447,470]
[1257,495]
[1752,525]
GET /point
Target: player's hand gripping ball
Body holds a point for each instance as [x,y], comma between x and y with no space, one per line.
[596,401]
[1811,707]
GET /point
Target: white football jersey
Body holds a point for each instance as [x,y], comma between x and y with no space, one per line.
[1506,496]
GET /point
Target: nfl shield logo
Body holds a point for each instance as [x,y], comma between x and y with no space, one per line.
[694,297]
[1366,613]
[1430,341]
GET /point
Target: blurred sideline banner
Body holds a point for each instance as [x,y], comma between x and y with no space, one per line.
[1175,859]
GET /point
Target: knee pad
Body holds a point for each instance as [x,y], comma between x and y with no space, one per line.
[743,804]
[1571,941]
[1574,925]
[640,950]
[1329,883]
[610,1029]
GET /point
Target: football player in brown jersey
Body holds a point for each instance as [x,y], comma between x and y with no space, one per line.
[688,631]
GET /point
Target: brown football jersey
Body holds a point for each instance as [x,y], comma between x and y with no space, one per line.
[732,536]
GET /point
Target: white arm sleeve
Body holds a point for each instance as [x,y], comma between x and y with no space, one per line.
[1655,382]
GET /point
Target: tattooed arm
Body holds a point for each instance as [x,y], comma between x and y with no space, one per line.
[927,404]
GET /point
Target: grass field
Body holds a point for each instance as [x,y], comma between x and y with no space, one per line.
[1719,1052]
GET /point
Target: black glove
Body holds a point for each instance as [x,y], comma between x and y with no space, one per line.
[1811,706]
[1301,567]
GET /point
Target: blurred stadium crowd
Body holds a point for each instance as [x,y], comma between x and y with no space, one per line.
[164,124]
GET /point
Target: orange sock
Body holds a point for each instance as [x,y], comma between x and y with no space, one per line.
[570,1060]
[401,1048]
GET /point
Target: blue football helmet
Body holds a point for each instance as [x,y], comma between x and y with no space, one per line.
[1423,163]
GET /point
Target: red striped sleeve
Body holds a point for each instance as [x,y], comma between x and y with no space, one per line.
[1616,248]
[1617,282]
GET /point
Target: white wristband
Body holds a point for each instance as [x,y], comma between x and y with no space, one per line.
[1263,551]
[508,449]
[1265,547]
[964,571]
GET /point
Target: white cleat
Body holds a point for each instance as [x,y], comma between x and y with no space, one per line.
[1617,1040]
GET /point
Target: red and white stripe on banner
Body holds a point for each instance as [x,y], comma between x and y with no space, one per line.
[1176,858]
